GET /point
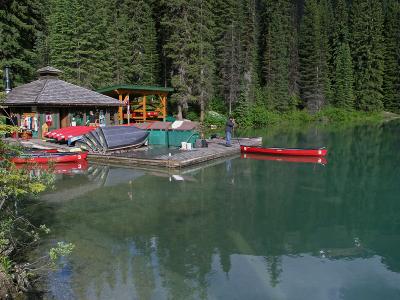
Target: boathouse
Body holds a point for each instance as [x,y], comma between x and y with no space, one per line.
[57,103]
[139,103]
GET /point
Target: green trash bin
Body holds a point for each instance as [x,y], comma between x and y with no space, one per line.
[176,137]
[158,137]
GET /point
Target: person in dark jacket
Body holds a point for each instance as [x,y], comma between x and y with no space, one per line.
[228,130]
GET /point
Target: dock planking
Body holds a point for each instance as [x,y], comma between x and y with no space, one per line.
[173,159]
[162,158]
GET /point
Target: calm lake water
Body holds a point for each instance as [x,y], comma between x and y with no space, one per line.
[237,229]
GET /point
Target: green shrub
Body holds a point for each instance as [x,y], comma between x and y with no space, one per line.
[218,105]
[297,116]
[258,115]
[214,118]
[261,117]
[192,116]
[340,115]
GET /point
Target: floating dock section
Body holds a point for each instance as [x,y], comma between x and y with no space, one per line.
[172,158]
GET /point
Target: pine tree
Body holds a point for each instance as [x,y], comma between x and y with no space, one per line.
[248,48]
[118,48]
[314,73]
[60,24]
[277,52]
[204,34]
[341,25]
[177,23]
[327,27]
[368,53]
[101,67]
[20,24]
[344,96]
[140,28]
[391,82]
[343,77]
[294,75]
[81,53]
[227,47]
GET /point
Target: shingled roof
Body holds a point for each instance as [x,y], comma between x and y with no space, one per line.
[50,90]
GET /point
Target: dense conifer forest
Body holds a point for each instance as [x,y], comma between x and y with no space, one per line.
[224,55]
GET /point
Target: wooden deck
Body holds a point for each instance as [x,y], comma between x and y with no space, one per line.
[175,158]
[152,157]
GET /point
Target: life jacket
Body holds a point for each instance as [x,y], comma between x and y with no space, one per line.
[49,119]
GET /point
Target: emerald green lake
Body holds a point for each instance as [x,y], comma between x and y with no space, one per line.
[239,228]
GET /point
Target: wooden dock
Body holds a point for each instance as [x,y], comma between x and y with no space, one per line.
[152,157]
[175,158]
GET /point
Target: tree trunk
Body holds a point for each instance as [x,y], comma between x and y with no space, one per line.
[202,110]
[180,116]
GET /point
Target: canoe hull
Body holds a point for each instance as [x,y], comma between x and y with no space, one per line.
[119,137]
[45,158]
[285,151]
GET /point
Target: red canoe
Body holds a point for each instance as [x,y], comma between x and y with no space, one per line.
[44,158]
[68,132]
[287,158]
[284,151]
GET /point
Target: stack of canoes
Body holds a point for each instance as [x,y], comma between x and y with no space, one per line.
[106,139]
[68,133]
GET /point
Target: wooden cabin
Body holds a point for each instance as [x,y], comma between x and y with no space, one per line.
[56,103]
[139,103]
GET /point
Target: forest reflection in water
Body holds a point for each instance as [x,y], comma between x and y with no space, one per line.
[239,229]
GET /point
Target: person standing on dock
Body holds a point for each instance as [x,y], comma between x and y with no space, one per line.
[228,130]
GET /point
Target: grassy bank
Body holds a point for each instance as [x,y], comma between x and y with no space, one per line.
[258,117]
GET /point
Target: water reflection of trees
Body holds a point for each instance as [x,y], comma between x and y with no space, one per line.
[169,232]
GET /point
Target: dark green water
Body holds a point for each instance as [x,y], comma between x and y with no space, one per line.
[238,229]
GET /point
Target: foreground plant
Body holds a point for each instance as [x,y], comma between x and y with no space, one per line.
[18,235]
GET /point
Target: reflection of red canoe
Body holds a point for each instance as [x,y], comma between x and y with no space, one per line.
[287,158]
[285,151]
[60,168]
[44,158]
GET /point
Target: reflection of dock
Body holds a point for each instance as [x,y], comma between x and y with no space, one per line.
[97,176]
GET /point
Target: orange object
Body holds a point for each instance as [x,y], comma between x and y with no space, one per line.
[45,130]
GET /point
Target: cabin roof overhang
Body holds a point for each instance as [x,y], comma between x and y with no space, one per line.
[135,89]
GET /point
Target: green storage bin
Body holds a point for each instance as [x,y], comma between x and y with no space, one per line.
[175,138]
[158,137]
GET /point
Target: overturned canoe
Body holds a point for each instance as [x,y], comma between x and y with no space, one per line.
[44,158]
[120,137]
[285,151]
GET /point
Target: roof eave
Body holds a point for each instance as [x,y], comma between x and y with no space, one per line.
[135,88]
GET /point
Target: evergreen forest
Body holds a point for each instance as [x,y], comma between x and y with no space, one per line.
[230,56]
